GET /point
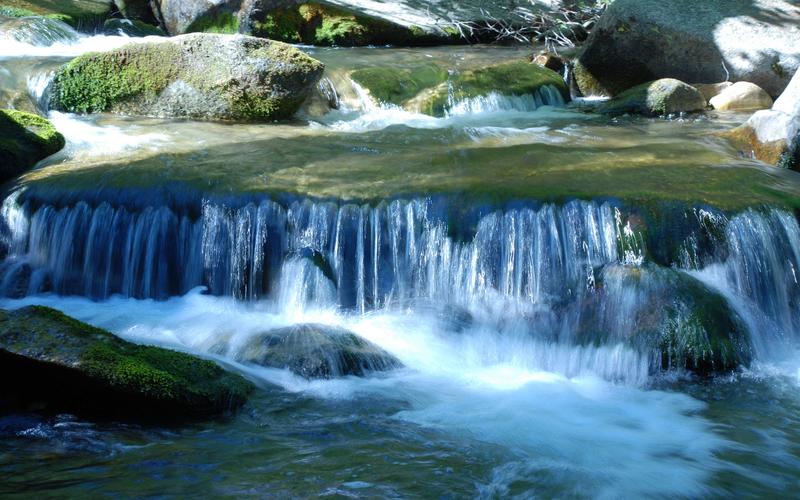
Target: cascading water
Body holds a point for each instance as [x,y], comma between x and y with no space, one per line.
[567,277]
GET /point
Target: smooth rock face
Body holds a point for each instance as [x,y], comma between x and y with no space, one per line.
[741,96]
[317,351]
[661,97]
[25,139]
[52,361]
[637,41]
[204,76]
[772,135]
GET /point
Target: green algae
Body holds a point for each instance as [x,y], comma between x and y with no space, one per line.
[25,139]
[398,85]
[215,22]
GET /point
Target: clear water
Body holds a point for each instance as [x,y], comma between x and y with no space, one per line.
[455,247]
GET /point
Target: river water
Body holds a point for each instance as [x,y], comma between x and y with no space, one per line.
[507,254]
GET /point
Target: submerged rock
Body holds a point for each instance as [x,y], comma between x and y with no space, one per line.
[661,97]
[741,96]
[25,139]
[317,352]
[52,361]
[665,311]
[637,41]
[217,77]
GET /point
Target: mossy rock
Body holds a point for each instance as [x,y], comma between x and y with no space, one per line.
[396,85]
[57,363]
[25,139]
[667,312]
[317,24]
[661,97]
[204,76]
[517,78]
[80,14]
[132,28]
[317,352]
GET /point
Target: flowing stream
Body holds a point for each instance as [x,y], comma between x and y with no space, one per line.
[525,260]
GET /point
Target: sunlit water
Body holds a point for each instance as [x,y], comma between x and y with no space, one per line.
[490,406]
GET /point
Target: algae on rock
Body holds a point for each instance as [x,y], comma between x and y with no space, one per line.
[25,139]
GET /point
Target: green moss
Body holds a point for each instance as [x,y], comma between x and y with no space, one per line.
[396,85]
[512,79]
[96,82]
[25,139]
[160,376]
[216,22]
[660,97]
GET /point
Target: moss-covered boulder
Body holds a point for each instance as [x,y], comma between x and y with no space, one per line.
[25,139]
[667,314]
[80,14]
[53,362]
[399,85]
[316,352]
[661,97]
[203,76]
[517,78]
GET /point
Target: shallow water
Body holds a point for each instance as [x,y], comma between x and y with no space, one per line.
[498,397]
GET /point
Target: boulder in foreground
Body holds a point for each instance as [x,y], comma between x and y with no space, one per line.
[25,139]
[202,76]
[317,352]
[53,362]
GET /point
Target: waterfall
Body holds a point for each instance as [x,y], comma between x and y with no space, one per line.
[579,274]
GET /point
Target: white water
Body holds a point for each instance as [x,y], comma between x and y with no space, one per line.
[496,386]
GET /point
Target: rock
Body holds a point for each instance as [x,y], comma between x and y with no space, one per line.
[661,97]
[25,139]
[663,311]
[317,352]
[132,28]
[52,360]
[710,90]
[509,79]
[637,41]
[772,135]
[741,96]
[214,77]
[80,14]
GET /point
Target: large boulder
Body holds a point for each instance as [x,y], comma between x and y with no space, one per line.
[662,97]
[316,352]
[204,76]
[51,361]
[25,139]
[741,96]
[637,41]
[773,135]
